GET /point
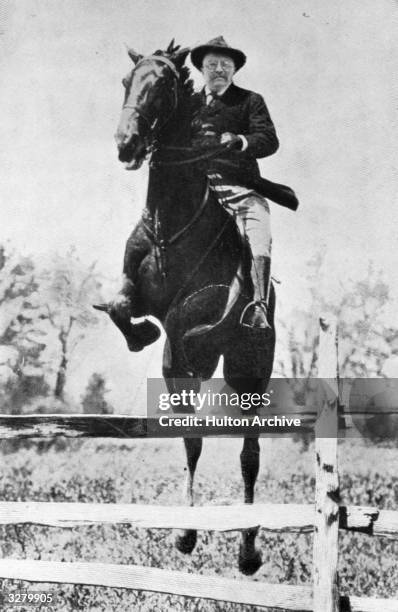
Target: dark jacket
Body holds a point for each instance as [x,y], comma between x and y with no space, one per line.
[241,112]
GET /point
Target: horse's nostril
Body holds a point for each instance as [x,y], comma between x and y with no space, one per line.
[124,137]
[128,148]
[125,153]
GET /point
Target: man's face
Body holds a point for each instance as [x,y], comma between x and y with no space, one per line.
[218,70]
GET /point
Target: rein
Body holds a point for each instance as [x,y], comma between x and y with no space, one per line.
[161,242]
[152,228]
[153,124]
[190,160]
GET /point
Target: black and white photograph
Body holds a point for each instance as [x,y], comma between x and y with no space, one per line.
[198,305]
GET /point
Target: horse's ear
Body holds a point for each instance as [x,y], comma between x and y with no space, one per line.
[180,56]
[170,49]
[136,57]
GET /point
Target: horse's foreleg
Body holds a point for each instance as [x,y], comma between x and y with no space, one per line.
[121,309]
[186,541]
[249,556]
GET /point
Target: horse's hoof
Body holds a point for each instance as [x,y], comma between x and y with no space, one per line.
[186,543]
[102,307]
[249,566]
[142,335]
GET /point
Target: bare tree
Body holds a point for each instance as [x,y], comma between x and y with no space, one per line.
[21,336]
[365,328]
[298,330]
[68,289]
[367,334]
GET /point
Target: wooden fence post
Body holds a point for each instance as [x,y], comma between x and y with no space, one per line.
[326,527]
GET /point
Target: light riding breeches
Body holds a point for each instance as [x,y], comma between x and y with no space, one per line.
[250,210]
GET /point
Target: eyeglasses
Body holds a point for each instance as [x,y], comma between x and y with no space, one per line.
[225,65]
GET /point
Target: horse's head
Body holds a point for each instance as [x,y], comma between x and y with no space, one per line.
[150,100]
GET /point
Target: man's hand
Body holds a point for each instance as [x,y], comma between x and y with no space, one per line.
[231,140]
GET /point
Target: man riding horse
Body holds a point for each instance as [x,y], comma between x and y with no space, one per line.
[185,263]
[239,119]
[229,128]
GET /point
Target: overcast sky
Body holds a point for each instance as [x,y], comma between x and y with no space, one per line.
[326,68]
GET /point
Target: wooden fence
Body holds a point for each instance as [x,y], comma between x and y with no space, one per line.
[324,519]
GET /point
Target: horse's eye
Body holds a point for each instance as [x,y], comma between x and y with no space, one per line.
[125,83]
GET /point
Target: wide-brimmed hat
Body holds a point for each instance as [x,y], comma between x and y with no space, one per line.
[217,45]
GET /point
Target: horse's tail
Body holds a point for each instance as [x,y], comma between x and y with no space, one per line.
[234,292]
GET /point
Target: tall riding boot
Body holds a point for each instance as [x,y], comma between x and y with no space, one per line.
[255,313]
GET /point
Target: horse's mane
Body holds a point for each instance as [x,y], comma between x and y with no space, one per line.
[185,81]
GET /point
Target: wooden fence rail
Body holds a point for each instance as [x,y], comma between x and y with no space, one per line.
[20,427]
[289,518]
[325,519]
[276,596]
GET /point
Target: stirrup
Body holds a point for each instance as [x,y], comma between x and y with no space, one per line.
[255,303]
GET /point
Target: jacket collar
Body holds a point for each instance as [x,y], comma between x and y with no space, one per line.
[216,95]
[226,95]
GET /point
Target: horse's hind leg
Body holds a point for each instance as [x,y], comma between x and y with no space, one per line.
[179,378]
[186,541]
[249,556]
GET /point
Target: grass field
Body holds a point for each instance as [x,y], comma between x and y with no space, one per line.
[153,472]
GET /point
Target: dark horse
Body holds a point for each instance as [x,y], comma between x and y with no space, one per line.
[186,263]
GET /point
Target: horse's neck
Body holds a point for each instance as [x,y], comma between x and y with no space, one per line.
[174,197]
[175,191]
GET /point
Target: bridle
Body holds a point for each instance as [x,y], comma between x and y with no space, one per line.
[155,128]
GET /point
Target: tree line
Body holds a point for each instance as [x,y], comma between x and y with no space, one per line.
[46,311]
